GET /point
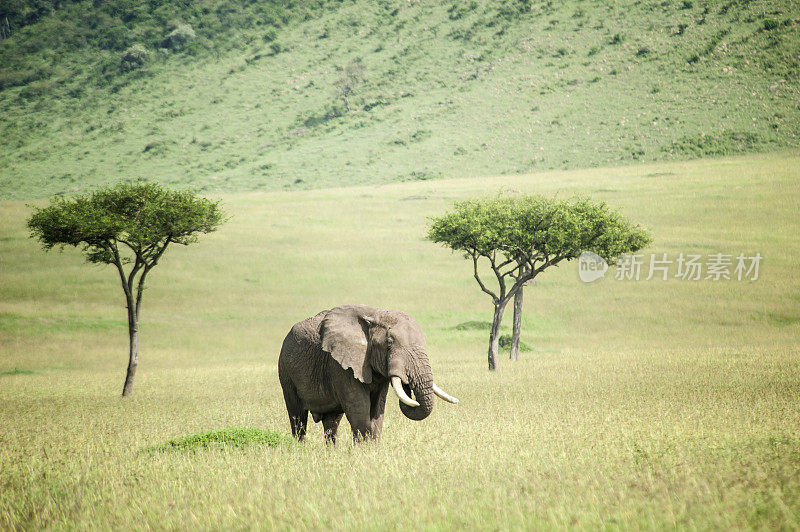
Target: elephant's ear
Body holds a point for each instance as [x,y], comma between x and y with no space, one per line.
[344,334]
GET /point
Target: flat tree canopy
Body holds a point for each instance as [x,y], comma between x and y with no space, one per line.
[521,236]
[127,225]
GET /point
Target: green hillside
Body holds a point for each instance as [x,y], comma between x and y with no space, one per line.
[239,95]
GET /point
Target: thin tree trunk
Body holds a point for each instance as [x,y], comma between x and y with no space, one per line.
[494,337]
[133,353]
[515,333]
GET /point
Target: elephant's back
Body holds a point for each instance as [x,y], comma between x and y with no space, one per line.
[309,329]
[302,341]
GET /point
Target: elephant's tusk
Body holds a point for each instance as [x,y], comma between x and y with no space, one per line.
[444,395]
[401,393]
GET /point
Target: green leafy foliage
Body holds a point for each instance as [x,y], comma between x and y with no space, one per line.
[133,58]
[143,216]
[536,230]
[178,38]
[231,437]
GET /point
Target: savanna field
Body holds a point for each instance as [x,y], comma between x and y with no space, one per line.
[331,133]
[647,404]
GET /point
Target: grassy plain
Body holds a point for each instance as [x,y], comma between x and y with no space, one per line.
[648,404]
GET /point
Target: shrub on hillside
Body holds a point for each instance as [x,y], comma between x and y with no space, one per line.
[133,58]
[726,143]
[14,78]
[112,38]
[179,37]
[37,89]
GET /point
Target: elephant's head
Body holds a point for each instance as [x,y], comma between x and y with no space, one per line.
[387,343]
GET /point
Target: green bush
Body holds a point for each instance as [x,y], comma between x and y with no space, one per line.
[113,38]
[133,58]
[460,10]
[727,143]
[505,343]
[15,78]
[37,89]
[178,38]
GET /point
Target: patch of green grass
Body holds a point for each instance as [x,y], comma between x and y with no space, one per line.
[505,343]
[474,326]
[781,319]
[16,371]
[225,438]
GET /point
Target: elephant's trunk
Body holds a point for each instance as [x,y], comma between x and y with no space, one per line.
[420,383]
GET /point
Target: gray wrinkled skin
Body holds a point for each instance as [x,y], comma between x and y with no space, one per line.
[340,362]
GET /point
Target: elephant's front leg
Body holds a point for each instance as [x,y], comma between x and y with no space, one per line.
[360,422]
[357,408]
[377,407]
[330,423]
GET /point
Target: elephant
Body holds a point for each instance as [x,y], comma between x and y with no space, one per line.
[343,361]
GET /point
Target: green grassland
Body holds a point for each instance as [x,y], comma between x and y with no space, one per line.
[452,90]
[650,404]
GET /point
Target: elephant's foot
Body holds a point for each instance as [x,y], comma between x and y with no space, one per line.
[362,427]
[330,423]
[298,423]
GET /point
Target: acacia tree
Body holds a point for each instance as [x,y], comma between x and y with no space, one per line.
[351,78]
[129,226]
[520,237]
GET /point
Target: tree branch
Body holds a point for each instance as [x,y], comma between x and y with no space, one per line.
[477,277]
[522,278]
[501,281]
[137,265]
[118,263]
[506,263]
[550,262]
[147,268]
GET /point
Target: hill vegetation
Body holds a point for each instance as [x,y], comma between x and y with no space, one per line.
[241,95]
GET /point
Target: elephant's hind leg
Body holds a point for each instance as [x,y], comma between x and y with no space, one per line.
[298,415]
[330,422]
[299,421]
